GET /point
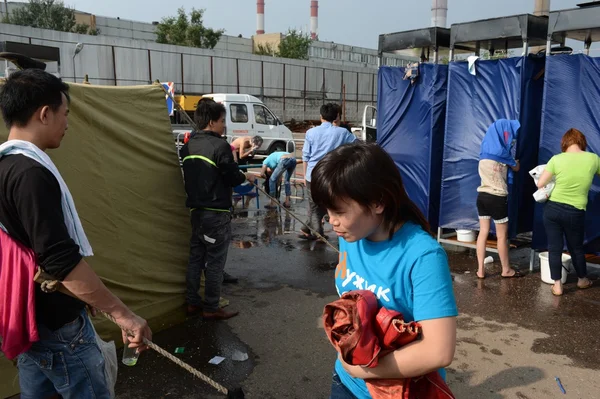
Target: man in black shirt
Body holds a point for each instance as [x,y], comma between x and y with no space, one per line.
[66,360]
[210,174]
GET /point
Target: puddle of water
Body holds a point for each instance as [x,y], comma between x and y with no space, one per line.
[243,244]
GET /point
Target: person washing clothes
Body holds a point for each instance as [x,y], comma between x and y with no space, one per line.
[564,213]
[318,142]
[243,148]
[273,168]
[492,201]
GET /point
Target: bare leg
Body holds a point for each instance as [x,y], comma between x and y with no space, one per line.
[484,230]
[502,236]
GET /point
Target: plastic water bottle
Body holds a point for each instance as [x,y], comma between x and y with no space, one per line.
[130,355]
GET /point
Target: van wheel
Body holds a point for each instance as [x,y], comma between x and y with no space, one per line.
[277,147]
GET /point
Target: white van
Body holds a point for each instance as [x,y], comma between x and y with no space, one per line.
[248,116]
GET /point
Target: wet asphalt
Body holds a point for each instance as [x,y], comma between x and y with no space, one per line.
[284,284]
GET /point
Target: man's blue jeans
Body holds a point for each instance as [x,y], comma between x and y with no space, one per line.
[66,361]
[287,165]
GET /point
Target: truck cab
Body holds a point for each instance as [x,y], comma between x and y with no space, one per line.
[246,116]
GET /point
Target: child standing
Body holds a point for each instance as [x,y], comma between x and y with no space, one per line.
[386,247]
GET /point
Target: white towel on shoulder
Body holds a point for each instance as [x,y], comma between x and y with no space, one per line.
[68,206]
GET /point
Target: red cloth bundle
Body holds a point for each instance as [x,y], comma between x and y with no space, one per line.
[362,334]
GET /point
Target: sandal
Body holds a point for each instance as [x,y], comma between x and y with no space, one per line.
[555,293]
[516,275]
[479,277]
[585,287]
[270,206]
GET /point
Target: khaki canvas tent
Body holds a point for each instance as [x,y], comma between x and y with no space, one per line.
[119,161]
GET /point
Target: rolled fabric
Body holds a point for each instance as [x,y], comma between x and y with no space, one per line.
[362,334]
[348,323]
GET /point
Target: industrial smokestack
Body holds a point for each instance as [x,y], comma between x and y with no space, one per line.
[314,19]
[439,13]
[542,8]
[260,17]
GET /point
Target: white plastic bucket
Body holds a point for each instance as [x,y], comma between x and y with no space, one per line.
[545,268]
[465,235]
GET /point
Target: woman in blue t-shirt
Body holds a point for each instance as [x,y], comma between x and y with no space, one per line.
[386,247]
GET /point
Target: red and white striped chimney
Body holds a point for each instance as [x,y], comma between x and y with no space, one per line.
[260,17]
[314,19]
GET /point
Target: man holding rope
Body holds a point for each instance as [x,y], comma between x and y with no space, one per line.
[210,174]
[38,213]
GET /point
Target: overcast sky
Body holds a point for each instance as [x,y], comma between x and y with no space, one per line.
[353,22]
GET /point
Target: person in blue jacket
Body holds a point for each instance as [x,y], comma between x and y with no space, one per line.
[496,166]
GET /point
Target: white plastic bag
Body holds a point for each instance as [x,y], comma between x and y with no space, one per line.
[542,194]
[111,364]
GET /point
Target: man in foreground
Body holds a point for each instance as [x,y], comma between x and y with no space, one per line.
[34,213]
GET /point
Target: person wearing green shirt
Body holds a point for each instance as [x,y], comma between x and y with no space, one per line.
[564,213]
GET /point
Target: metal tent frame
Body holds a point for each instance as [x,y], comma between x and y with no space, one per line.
[431,39]
[505,33]
[581,24]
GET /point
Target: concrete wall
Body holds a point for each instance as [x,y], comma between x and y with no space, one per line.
[291,88]
[339,54]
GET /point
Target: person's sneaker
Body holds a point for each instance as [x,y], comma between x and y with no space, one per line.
[220,314]
[229,279]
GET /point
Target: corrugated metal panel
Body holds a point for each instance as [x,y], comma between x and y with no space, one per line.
[333,85]
[250,77]
[314,82]
[225,75]
[125,58]
[273,79]
[166,67]
[197,74]
[294,81]
[351,85]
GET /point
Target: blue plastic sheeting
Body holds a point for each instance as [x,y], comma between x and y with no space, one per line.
[502,89]
[572,100]
[410,127]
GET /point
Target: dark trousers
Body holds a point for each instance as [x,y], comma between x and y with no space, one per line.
[565,221]
[211,238]
[339,390]
[315,214]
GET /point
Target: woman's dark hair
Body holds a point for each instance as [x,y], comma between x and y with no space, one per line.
[365,173]
[208,111]
[26,91]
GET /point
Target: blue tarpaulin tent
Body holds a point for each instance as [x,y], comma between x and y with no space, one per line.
[571,100]
[410,127]
[501,89]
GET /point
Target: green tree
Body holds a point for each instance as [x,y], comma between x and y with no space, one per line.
[47,14]
[295,45]
[190,32]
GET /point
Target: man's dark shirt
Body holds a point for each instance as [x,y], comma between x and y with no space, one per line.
[31,211]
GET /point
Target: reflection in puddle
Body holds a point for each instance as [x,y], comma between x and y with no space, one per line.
[243,244]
